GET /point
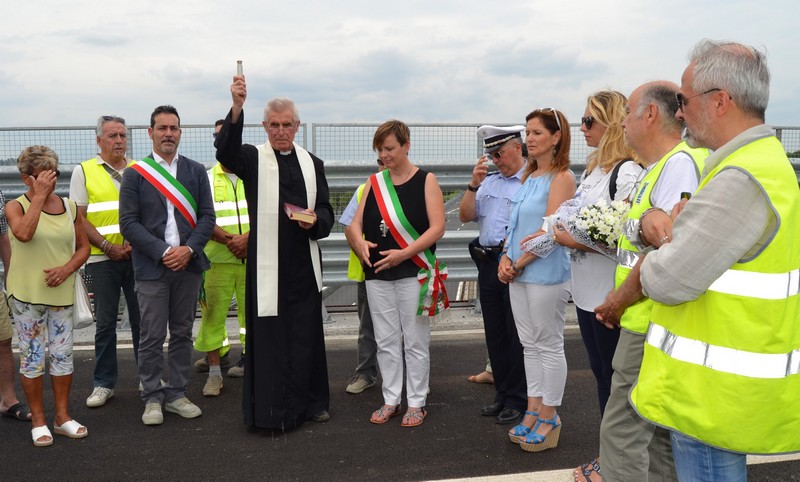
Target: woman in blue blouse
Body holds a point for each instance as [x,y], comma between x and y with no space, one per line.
[540,276]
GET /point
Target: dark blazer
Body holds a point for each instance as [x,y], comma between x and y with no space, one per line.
[143,219]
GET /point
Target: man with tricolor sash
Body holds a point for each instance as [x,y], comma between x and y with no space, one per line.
[94,187]
[166,212]
[720,366]
[632,448]
[285,367]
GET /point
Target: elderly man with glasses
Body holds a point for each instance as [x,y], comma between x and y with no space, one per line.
[720,363]
[285,368]
[94,187]
[487,201]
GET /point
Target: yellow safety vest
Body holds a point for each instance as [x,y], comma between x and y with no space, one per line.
[102,210]
[230,206]
[637,316]
[725,368]
[355,271]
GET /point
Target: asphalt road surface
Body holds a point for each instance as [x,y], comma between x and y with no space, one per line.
[454,442]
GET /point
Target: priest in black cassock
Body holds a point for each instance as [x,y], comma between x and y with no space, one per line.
[285,369]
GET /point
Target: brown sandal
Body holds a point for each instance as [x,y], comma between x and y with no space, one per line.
[384,414]
[414,417]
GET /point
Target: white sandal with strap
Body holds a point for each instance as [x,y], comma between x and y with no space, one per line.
[70,429]
[39,432]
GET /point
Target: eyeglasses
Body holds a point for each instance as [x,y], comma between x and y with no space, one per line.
[682,100]
[275,127]
[214,135]
[555,114]
[496,154]
[588,121]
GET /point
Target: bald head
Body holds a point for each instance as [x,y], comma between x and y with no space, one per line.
[650,124]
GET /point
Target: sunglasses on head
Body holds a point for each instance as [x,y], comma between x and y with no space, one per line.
[588,121]
[555,114]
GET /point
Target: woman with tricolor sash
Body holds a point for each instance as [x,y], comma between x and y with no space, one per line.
[398,221]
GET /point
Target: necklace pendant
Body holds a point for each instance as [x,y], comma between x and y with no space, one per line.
[384,229]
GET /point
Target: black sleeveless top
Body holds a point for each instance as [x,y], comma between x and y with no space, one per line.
[412,197]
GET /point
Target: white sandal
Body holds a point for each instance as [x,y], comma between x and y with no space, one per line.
[70,429]
[39,432]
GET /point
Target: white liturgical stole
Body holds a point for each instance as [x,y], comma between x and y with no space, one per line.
[267,213]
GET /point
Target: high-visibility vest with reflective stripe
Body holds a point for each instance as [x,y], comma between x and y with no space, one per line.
[230,206]
[355,270]
[102,210]
[724,368]
[637,316]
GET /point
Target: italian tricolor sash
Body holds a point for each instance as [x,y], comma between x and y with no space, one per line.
[432,273]
[170,187]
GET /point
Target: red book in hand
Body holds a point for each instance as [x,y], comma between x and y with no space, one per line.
[296,213]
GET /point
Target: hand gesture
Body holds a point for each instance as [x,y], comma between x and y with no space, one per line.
[43,184]
[656,229]
[480,171]
[238,91]
[392,258]
[237,244]
[610,312]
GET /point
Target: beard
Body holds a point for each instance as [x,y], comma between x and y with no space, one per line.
[700,133]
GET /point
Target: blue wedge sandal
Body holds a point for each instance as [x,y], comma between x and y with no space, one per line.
[533,442]
[518,432]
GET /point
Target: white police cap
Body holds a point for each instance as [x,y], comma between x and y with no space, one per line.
[494,137]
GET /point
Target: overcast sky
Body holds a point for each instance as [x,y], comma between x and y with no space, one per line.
[63,63]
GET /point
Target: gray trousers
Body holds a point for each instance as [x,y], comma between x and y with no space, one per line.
[367,347]
[168,303]
[631,448]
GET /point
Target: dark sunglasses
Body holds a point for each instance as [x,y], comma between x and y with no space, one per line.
[588,121]
[683,100]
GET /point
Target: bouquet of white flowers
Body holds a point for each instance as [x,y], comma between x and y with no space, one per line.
[602,224]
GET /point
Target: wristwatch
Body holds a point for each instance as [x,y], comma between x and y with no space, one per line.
[473,189]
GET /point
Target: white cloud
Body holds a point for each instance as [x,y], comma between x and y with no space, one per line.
[64,63]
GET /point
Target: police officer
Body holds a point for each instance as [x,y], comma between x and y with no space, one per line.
[487,201]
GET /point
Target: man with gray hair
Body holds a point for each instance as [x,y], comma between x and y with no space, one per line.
[720,364]
[95,188]
[285,368]
[632,448]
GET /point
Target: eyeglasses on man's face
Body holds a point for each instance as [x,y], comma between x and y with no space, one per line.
[683,100]
[276,127]
[496,155]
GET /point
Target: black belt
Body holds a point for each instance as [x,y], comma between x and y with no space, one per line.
[487,253]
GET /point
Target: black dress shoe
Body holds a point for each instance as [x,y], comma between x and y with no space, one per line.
[492,410]
[508,416]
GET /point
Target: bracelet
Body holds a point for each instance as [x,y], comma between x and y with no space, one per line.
[648,211]
[105,246]
[473,189]
[514,268]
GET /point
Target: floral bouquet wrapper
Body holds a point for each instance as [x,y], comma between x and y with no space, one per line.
[598,225]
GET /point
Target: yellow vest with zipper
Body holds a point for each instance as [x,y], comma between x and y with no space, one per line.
[102,210]
[230,206]
[725,368]
[637,316]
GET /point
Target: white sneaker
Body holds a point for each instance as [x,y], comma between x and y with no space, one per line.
[99,397]
[184,408]
[152,414]
[213,386]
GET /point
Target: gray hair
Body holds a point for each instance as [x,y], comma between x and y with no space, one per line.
[280,104]
[661,95]
[103,119]
[37,157]
[738,69]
